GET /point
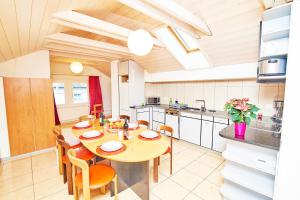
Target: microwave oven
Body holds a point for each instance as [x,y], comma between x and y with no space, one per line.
[153,100]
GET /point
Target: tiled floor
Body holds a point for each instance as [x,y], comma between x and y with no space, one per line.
[196,176]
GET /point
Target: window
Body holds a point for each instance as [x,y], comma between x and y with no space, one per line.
[59,93]
[187,41]
[80,92]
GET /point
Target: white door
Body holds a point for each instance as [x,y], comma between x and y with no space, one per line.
[172,121]
[206,134]
[143,116]
[159,116]
[219,143]
[190,130]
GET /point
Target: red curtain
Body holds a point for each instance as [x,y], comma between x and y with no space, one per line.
[95,92]
[57,122]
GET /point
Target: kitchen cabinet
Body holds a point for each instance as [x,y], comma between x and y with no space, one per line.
[155,125]
[219,142]
[159,115]
[172,120]
[206,134]
[190,129]
[144,115]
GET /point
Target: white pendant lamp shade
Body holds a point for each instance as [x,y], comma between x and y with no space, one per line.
[76,67]
[140,42]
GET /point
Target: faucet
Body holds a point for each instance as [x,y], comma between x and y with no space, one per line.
[203,108]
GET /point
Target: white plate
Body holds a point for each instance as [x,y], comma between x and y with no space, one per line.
[113,119]
[132,125]
[149,134]
[90,134]
[82,124]
[111,146]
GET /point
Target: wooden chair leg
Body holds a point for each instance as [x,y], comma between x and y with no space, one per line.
[155,170]
[76,192]
[60,164]
[64,171]
[70,179]
[171,163]
[103,189]
[86,193]
[159,160]
[116,187]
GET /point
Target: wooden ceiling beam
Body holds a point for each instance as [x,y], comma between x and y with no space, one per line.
[161,16]
[83,22]
[66,39]
[181,14]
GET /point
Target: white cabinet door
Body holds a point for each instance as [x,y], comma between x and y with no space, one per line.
[155,125]
[190,130]
[219,143]
[143,116]
[172,121]
[206,134]
[159,116]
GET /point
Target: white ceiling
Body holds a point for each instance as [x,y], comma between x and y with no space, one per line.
[24,24]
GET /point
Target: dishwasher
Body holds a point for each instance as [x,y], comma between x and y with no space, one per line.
[172,119]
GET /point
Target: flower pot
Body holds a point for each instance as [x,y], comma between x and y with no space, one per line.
[240,129]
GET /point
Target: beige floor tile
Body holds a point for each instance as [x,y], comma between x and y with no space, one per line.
[128,195]
[210,160]
[49,187]
[164,167]
[188,155]
[43,174]
[61,195]
[186,179]
[215,154]
[192,196]
[25,193]
[16,183]
[208,191]
[169,190]
[14,168]
[44,160]
[216,178]
[199,169]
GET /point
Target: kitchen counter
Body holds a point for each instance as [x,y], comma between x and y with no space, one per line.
[255,135]
[217,113]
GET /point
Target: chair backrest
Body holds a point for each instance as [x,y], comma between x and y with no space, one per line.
[108,116]
[97,108]
[76,162]
[143,122]
[56,130]
[87,118]
[125,117]
[168,129]
[62,144]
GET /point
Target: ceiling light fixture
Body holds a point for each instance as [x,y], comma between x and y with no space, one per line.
[76,67]
[140,42]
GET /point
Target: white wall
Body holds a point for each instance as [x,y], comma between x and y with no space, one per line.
[288,170]
[60,72]
[4,141]
[216,93]
[238,71]
[34,65]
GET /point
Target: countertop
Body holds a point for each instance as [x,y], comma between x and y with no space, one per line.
[256,134]
[217,113]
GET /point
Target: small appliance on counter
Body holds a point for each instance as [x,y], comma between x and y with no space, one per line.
[153,101]
[271,69]
[277,117]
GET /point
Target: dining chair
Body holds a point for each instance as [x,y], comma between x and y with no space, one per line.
[125,117]
[168,131]
[97,110]
[87,118]
[90,177]
[143,122]
[81,153]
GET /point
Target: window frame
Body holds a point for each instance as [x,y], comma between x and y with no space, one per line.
[87,92]
[64,85]
[182,41]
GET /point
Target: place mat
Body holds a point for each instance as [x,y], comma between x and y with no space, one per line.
[112,130]
[81,128]
[149,139]
[110,153]
[91,138]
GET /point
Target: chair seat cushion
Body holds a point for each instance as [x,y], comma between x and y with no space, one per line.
[81,153]
[100,175]
[167,151]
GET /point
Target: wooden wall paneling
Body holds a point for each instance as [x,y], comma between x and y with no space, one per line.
[43,113]
[19,115]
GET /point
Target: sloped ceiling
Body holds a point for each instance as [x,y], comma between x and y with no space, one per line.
[234,24]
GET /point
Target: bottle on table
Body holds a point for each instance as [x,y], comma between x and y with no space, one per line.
[101,119]
[125,130]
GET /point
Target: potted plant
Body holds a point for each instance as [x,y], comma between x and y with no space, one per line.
[241,112]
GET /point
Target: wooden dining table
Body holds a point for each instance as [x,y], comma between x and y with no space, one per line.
[131,165]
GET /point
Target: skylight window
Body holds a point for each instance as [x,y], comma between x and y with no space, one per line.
[187,41]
